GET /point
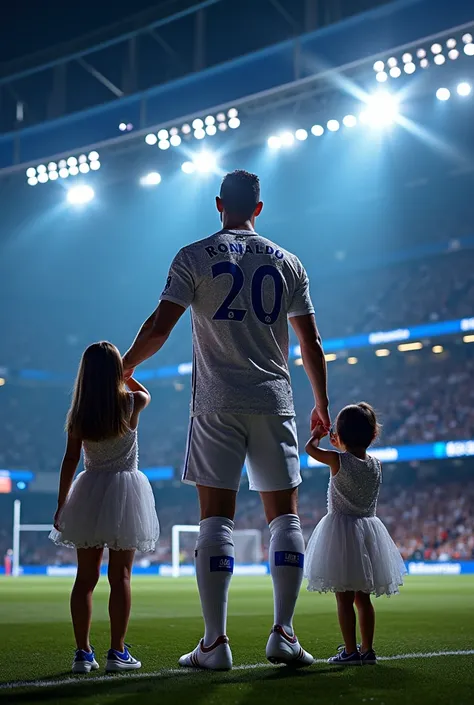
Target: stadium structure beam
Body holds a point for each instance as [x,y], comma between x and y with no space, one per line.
[98,75]
[264,76]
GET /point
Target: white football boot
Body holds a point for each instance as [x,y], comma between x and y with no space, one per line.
[283,648]
[217,657]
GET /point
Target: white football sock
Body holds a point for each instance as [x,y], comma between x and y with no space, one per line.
[214,559]
[286,556]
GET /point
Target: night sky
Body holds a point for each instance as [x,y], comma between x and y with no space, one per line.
[29,26]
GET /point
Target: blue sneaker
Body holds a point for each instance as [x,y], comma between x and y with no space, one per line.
[344,659]
[84,661]
[117,661]
[368,658]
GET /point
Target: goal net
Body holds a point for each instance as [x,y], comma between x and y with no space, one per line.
[248,547]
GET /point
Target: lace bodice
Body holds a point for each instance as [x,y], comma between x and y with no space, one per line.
[355,488]
[118,454]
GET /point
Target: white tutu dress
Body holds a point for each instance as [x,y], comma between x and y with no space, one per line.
[110,503]
[350,549]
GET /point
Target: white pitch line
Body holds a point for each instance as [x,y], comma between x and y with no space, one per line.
[186,671]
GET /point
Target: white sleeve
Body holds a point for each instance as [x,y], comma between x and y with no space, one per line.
[301,304]
[179,288]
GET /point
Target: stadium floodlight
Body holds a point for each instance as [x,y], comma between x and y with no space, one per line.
[301,135]
[234,123]
[52,166]
[62,164]
[453,54]
[221,117]
[84,168]
[95,166]
[274,142]
[352,361]
[437,349]
[122,127]
[424,63]
[439,59]
[395,72]
[31,172]
[451,43]
[222,126]
[381,110]
[330,357]
[468,339]
[198,124]
[163,135]
[210,120]
[407,57]
[332,125]
[409,347]
[186,129]
[174,131]
[379,66]
[443,94]
[469,49]
[151,139]
[42,178]
[41,169]
[436,48]
[188,167]
[463,89]
[392,62]
[63,173]
[72,161]
[232,113]
[409,67]
[74,170]
[317,130]
[175,140]
[82,159]
[204,162]
[382,352]
[79,195]
[381,77]
[53,175]
[349,121]
[199,134]
[467,38]
[211,130]
[287,139]
[32,180]
[421,53]
[151,179]
[163,144]
[93,156]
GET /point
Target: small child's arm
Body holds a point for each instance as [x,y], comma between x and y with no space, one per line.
[139,391]
[71,458]
[327,457]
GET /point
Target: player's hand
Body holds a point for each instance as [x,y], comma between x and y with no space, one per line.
[320,417]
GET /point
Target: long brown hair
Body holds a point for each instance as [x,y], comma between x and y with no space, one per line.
[99,407]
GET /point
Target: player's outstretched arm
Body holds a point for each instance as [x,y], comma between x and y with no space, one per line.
[153,334]
[314,364]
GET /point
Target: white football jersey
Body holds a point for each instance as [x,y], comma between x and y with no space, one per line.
[241,288]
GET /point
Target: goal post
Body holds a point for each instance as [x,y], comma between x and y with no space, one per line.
[248,546]
[18,527]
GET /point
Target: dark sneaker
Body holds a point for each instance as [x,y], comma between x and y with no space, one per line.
[344,659]
[368,658]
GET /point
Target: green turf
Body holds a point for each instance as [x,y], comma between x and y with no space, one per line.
[431,614]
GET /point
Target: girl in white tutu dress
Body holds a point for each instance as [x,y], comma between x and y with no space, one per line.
[350,551]
[110,504]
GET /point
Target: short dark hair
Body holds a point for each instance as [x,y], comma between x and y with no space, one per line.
[240,193]
[357,425]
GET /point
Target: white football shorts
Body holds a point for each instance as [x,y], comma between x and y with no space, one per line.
[220,444]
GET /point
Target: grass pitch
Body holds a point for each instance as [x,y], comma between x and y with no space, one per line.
[431,615]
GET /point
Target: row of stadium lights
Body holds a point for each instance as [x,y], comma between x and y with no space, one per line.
[385,352]
[384,70]
[199,129]
[73,166]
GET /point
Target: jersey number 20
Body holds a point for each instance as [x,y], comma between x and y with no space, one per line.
[226,313]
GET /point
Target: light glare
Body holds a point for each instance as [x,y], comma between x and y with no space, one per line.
[301,135]
[382,110]
[381,77]
[463,89]
[78,195]
[332,125]
[274,142]
[175,140]
[287,139]
[379,66]
[205,162]
[443,94]
[317,130]
[350,121]
[151,179]
[188,167]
